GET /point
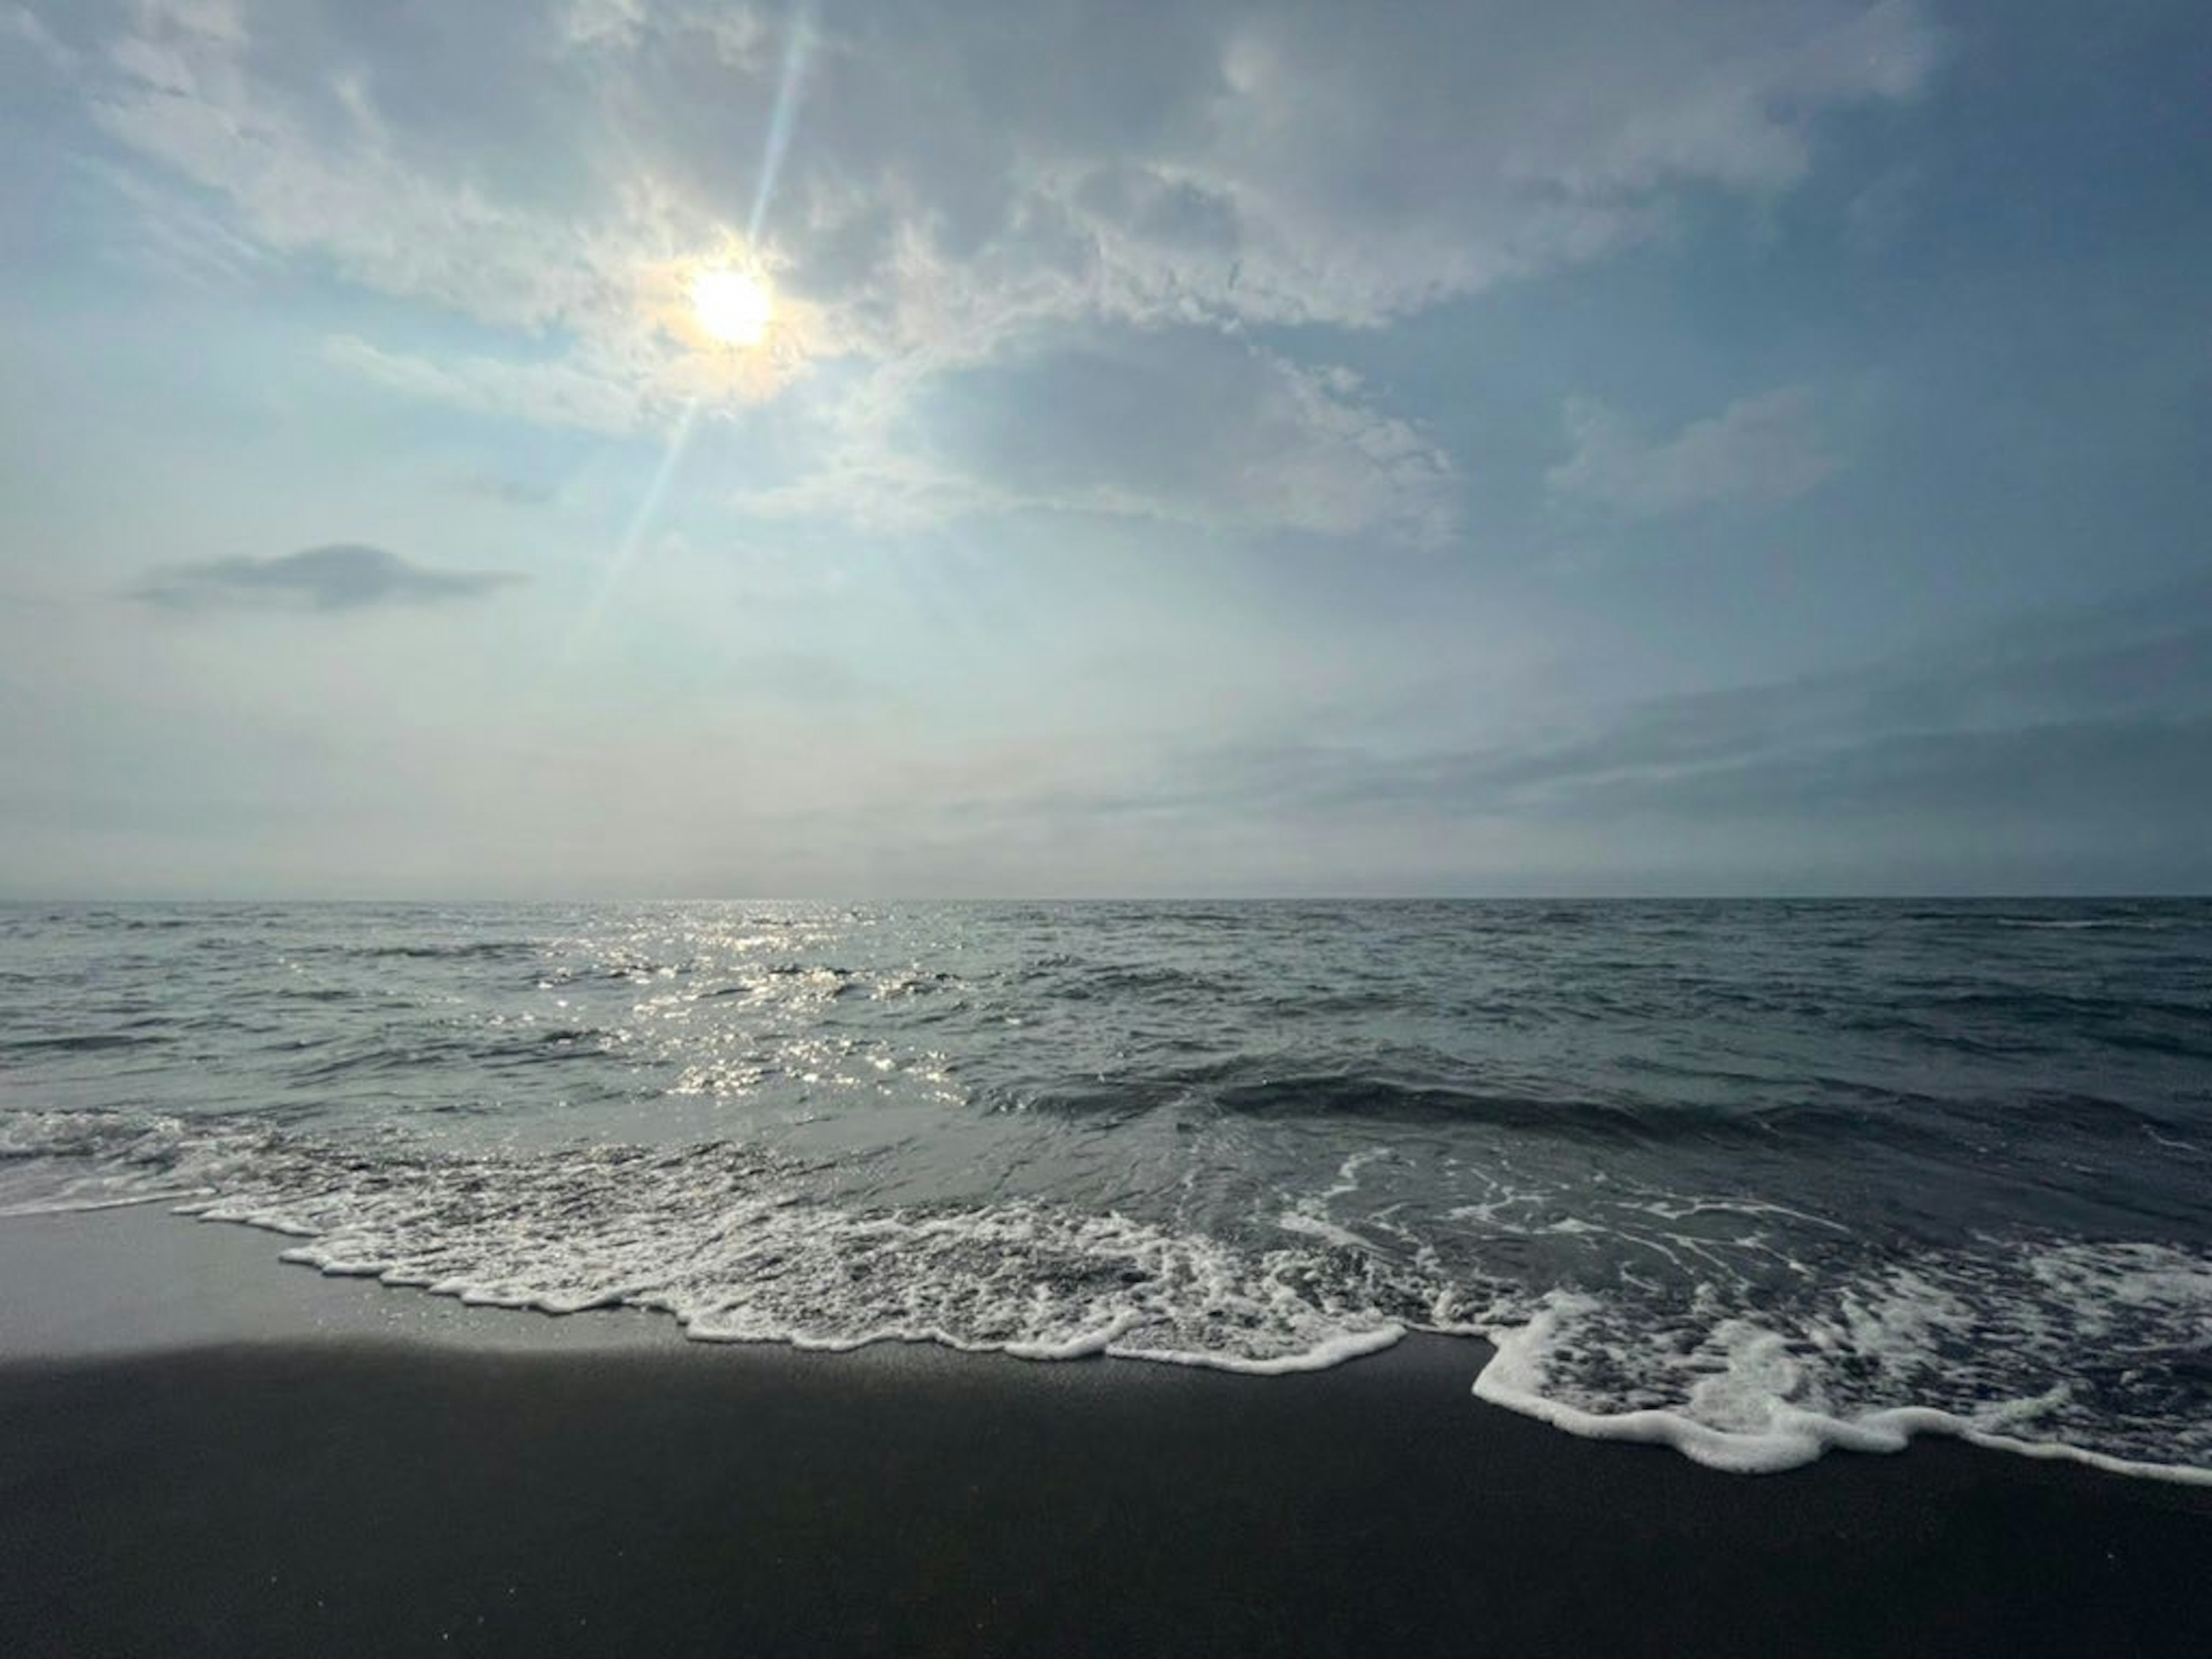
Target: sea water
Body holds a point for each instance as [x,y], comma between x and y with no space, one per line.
[1753,1179]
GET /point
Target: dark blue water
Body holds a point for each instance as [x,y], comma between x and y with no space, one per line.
[1753,1178]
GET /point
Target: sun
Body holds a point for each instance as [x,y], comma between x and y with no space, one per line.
[733,306]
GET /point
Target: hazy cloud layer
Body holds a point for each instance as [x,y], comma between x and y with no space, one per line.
[341,577]
[1170,466]
[2022,704]
[2034,748]
[955,193]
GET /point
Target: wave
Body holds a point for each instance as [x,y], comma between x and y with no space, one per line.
[1098,981]
[426,1052]
[720,1236]
[1342,1096]
[2051,1347]
[1856,1117]
[458,950]
[85,1042]
[2070,925]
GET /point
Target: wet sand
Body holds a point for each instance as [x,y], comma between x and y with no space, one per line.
[348,1489]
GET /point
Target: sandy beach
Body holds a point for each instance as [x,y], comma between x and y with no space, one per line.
[372,1471]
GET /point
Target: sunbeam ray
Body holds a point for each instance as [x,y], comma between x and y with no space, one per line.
[648,509]
[796,51]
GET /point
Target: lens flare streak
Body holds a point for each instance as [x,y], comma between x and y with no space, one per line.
[648,508]
[797,48]
[796,51]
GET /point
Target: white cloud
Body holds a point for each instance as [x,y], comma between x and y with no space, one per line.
[545,394]
[1365,164]
[187,97]
[313,167]
[1310,162]
[1766,448]
[614,24]
[958,196]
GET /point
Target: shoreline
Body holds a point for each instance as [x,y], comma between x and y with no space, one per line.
[128,1279]
[284,1461]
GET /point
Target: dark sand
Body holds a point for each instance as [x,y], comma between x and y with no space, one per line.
[340,1494]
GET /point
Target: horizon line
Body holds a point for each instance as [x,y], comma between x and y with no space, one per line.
[1976,897]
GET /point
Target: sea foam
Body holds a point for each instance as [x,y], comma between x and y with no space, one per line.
[2049,1348]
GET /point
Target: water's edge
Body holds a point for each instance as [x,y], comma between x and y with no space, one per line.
[1503,1380]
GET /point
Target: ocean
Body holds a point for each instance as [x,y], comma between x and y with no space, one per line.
[1751,1179]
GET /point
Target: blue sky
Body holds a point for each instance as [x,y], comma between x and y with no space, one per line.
[1210,448]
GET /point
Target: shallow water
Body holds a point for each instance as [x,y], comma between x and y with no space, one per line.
[1755,1178]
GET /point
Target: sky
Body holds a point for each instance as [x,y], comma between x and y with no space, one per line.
[1194,447]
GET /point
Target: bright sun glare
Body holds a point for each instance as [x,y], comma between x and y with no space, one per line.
[732,306]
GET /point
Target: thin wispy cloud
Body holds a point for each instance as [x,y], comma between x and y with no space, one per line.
[2032,745]
[1766,448]
[342,577]
[507,489]
[555,394]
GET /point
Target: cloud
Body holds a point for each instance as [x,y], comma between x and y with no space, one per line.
[1984,723]
[1881,215]
[2144,774]
[1762,449]
[505,488]
[24,25]
[310,164]
[342,577]
[1182,426]
[2062,749]
[360,145]
[957,194]
[542,394]
[1192,426]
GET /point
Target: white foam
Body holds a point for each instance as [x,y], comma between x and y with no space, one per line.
[1763,1434]
[2086,1351]
[1322,1356]
[1314,1226]
[1744,1412]
[722,1241]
